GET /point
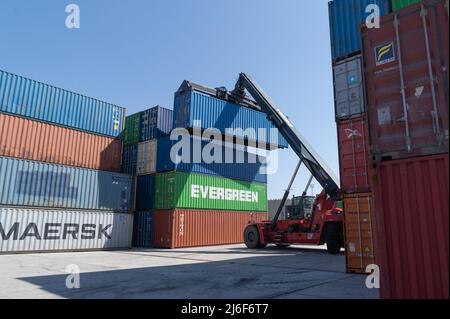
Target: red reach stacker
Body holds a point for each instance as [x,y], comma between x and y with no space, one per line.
[317,220]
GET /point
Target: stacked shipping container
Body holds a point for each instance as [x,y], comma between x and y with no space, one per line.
[59,159]
[391,102]
[212,200]
[141,134]
[406,71]
[346,18]
[175,180]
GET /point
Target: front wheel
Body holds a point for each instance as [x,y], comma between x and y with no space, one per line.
[333,239]
[251,237]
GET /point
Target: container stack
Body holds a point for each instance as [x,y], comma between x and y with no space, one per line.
[346,18]
[210,203]
[60,181]
[142,133]
[202,190]
[406,81]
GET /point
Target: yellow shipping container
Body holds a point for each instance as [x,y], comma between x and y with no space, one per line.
[359,236]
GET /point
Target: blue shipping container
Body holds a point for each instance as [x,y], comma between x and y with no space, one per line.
[145,188]
[212,112]
[129,159]
[29,183]
[248,170]
[346,17]
[156,122]
[32,99]
[142,232]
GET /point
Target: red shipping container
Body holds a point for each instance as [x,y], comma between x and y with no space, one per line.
[411,198]
[189,228]
[44,142]
[354,159]
[406,76]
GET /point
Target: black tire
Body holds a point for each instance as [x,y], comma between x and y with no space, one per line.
[251,237]
[332,239]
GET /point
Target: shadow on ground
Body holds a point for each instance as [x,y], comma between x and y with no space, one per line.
[292,273]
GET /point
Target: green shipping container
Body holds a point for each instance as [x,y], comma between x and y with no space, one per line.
[198,191]
[400,4]
[132,130]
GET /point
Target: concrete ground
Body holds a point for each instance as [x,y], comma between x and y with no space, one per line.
[203,272]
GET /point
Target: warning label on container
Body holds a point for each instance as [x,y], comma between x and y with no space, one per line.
[384,115]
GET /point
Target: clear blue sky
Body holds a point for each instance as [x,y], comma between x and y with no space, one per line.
[136,53]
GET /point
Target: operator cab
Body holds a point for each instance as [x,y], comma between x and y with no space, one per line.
[301,208]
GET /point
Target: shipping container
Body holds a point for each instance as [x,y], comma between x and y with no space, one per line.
[145,191]
[192,108]
[199,191]
[190,228]
[348,88]
[346,17]
[155,123]
[412,218]
[163,156]
[129,159]
[400,4]
[132,131]
[146,157]
[406,73]
[39,230]
[142,232]
[30,183]
[354,157]
[33,99]
[40,141]
[359,232]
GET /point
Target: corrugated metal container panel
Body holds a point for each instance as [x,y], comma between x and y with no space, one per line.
[413,121]
[156,122]
[245,171]
[190,228]
[132,129]
[191,106]
[346,16]
[354,158]
[40,141]
[142,231]
[29,183]
[348,88]
[359,232]
[52,230]
[146,157]
[145,189]
[129,159]
[400,4]
[412,212]
[32,99]
[199,191]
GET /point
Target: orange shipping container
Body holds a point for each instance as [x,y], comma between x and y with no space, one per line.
[39,141]
[189,228]
[359,240]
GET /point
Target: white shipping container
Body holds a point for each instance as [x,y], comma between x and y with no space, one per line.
[146,163]
[348,88]
[34,229]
